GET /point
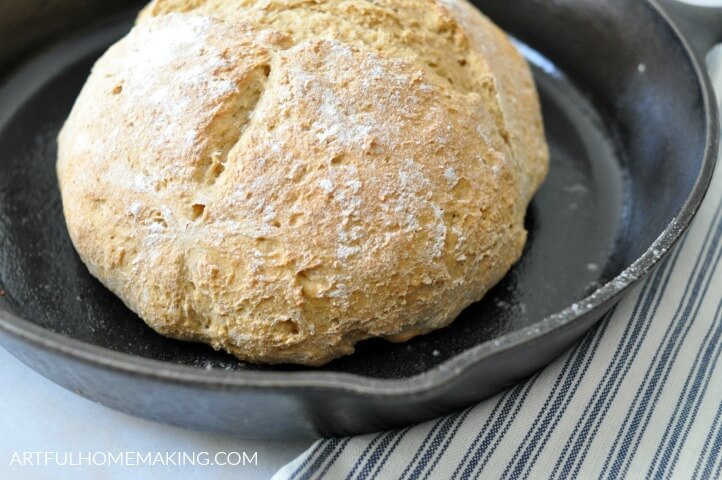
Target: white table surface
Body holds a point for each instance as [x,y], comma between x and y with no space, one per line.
[37,415]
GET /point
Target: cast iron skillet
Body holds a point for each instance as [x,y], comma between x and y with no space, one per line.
[632,125]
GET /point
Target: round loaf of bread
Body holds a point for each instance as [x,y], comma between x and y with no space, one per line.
[283,178]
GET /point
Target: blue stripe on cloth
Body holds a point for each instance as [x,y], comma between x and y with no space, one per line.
[316,449]
[694,389]
[424,444]
[714,437]
[483,451]
[310,455]
[323,453]
[502,400]
[626,351]
[390,450]
[649,391]
[363,455]
[385,448]
[449,438]
[700,385]
[337,453]
[556,403]
[575,357]
[444,429]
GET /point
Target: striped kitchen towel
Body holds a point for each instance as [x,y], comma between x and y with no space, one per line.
[639,397]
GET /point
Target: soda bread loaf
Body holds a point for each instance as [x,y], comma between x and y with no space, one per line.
[283,178]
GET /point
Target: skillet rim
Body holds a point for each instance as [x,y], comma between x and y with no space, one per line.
[435,378]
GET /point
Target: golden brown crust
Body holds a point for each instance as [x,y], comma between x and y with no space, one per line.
[281,179]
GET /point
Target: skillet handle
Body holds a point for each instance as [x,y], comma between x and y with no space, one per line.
[700,21]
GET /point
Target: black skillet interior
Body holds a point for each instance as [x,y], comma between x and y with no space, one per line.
[616,181]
